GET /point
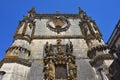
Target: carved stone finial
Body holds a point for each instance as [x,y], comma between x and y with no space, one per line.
[25,17]
[67,48]
[59,45]
[32,10]
[71,47]
[80,10]
[31,13]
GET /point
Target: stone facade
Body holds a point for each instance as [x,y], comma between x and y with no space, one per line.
[56,47]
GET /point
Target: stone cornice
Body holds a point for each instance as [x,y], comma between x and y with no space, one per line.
[16,60]
[28,38]
[23,37]
[73,16]
[95,49]
[56,37]
[101,57]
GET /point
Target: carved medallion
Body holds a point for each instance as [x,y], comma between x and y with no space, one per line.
[58,24]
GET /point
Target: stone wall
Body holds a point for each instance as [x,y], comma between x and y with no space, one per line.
[15,71]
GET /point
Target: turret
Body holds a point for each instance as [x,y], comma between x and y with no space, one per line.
[22,38]
[89,29]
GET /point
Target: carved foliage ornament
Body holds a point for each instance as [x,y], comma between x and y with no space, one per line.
[58,63]
[58,24]
[65,63]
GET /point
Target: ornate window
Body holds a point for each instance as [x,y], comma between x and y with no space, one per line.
[59,64]
[60,71]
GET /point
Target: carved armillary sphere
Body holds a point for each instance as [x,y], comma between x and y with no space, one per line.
[58,24]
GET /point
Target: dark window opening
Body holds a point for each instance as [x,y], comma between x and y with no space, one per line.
[60,71]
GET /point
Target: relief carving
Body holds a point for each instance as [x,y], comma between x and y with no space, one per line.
[59,60]
[58,24]
[50,71]
[16,51]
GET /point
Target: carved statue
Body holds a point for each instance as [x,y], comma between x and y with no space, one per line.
[59,46]
[86,29]
[29,29]
[67,48]
[50,71]
[71,47]
[94,28]
[72,68]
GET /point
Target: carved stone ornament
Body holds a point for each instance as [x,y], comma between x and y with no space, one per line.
[58,24]
[55,64]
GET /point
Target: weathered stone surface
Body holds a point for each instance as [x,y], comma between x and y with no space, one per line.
[41,28]
[85,71]
[79,49]
[21,43]
[36,71]
[21,29]
[33,44]
[15,71]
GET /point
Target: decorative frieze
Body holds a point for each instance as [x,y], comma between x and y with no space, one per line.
[16,51]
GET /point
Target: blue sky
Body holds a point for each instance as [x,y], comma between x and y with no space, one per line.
[106,13]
